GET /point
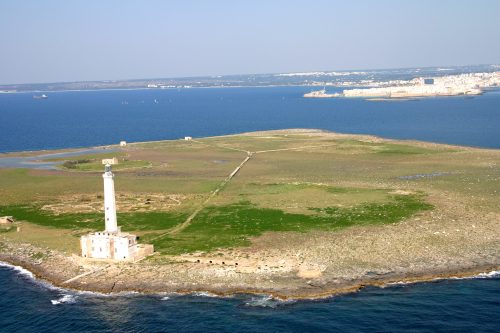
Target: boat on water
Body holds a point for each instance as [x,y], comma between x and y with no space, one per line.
[43,96]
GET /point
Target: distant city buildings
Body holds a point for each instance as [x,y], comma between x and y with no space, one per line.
[451,85]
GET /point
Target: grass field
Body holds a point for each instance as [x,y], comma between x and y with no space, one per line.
[294,181]
[228,225]
[233,225]
[92,165]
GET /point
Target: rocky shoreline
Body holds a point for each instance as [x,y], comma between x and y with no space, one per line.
[289,265]
[42,273]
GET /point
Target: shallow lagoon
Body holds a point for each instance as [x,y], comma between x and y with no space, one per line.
[39,161]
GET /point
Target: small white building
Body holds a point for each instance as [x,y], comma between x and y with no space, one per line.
[123,143]
[112,243]
[188,138]
[6,220]
[110,161]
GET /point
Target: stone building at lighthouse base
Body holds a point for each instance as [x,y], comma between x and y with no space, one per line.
[115,246]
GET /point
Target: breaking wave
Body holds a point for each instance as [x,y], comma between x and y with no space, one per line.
[65,299]
[30,276]
[18,269]
[486,275]
[492,274]
[204,294]
[267,301]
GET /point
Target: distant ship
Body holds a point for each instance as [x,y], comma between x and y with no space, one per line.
[40,96]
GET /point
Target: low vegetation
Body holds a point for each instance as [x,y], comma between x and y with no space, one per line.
[233,225]
[228,225]
[74,164]
[94,221]
[298,182]
[96,165]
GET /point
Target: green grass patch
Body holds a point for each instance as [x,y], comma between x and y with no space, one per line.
[228,225]
[397,149]
[136,221]
[117,154]
[280,188]
[74,164]
[387,148]
[232,225]
[270,188]
[90,165]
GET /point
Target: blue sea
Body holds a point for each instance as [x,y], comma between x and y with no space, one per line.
[90,118]
[470,305]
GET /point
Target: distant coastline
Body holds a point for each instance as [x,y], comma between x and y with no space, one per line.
[314,79]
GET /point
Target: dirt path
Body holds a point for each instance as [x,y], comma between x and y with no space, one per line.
[85,274]
[190,218]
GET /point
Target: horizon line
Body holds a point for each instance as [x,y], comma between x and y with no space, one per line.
[249,74]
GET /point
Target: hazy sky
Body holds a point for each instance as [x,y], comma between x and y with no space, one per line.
[49,41]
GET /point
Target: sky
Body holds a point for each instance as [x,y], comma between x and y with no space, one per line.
[58,41]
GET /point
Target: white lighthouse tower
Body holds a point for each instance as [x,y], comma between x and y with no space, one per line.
[109,200]
[112,243]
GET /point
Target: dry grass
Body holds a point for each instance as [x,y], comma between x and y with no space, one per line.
[292,171]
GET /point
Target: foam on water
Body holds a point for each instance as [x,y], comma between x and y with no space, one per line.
[492,274]
[18,269]
[65,299]
[209,294]
[267,301]
[485,275]
[30,276]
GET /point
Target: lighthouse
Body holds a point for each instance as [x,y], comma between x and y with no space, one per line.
[109,200]
[112,243]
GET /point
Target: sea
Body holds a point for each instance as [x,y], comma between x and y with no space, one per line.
[454,305]
[89,118]
[93,118]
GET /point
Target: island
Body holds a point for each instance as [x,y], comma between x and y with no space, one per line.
[296,213]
